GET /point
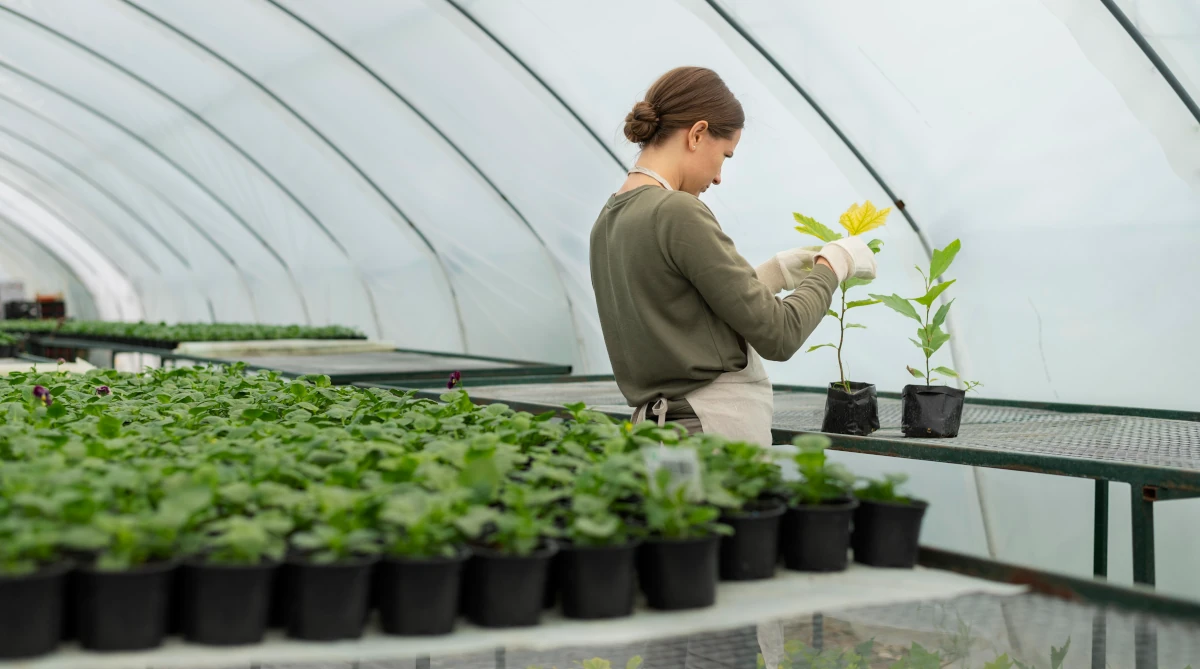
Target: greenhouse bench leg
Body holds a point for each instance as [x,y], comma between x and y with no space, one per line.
[1142,507]
[1100,534]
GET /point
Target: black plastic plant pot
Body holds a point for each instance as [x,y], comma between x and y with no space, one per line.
[553,580]
[752,551]
[502,590]
[281,597]
[328,601]
[816,537]
[31,611]
[419,596]
[886,534]
[854,411]
[123,610]
[677,574]
[597,582]
[931,411]
[225,605]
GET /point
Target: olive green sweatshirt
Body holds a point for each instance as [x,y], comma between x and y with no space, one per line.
[678,304]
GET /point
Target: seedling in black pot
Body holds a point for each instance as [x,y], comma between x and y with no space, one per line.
[887,524]
[816,528]
[851,407]
[929,410]
[744,480]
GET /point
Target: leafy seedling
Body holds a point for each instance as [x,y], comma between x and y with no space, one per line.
[930,335]
[857,220]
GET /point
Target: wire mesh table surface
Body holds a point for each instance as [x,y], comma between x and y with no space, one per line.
[959,632]
[1118,439]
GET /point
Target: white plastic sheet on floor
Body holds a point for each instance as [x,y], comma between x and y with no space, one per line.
[428,171]
[788,595]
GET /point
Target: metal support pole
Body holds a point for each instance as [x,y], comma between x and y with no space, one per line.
[422,662]
[1142,507]
[1100,639]
[501,658]
[818,634]
[1145,641]
[1100,532]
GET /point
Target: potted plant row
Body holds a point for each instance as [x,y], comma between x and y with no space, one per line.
[221,500]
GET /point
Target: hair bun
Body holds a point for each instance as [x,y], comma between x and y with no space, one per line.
[641,123]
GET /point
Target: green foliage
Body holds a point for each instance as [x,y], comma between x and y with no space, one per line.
[819,481]
[930,336]
[236,468]
[179,332]
[882,490]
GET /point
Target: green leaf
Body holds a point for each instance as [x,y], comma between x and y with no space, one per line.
[938,338]
[56,410]
[1057,655]
[921,346]
[946,371]
[833,313]
[813,348]
[942,259]
[919,658]
[876,245]
[942,312]
[928,298]
[916,372]
[110,426]
[861,303]
[1001,662]
[810,226]
[899,305]
[855,325]
[634,662]
[854,282]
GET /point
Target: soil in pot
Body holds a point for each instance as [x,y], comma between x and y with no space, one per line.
[419,596]
[123,610]
[31,612]
[679,574]
[225,605]
[597,581]
[503,590]
[816,537]
[752,551]
[328,601]
[854,411]
[931,411]
[886,534]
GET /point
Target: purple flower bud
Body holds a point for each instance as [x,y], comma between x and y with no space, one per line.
[42,394]
[103,390]
[62,361]
[455,379]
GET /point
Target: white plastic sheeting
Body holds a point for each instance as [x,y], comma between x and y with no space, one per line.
[429,170]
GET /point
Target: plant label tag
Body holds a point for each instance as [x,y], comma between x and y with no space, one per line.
[683,465]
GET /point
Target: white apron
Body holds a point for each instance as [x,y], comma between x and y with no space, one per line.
[736,405]
[739,406]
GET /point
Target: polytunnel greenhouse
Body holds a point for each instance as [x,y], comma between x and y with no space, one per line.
[383,333]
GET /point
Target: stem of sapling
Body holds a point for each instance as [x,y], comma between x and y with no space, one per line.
[841,339]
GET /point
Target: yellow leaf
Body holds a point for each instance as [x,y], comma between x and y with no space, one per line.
[860,219]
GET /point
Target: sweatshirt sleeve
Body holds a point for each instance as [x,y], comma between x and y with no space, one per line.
[695,245]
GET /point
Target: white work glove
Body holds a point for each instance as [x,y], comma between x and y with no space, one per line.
[849,257]
[785,270]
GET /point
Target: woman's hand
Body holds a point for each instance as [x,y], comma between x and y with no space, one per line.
[849,257]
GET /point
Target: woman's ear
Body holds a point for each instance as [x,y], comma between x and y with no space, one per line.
[699,128]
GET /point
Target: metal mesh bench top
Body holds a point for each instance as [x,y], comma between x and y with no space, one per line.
[344,368]
[1105,438]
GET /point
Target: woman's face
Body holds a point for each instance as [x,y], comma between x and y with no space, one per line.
[703,164]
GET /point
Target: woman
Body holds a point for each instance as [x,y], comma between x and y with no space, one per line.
[685,317]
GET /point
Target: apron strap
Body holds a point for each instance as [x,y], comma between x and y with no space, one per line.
[659,409]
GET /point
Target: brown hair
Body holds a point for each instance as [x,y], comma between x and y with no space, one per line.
[679,99]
